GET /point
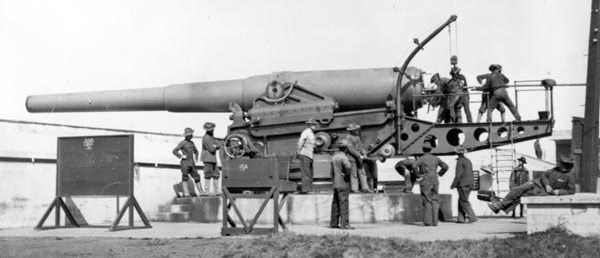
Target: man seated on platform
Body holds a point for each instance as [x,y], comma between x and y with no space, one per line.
[556,181]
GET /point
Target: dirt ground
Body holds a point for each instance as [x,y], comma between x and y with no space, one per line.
[490,237]
[554,243]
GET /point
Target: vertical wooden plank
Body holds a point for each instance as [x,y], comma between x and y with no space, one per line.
[589,158]
[57,211]
[275,198]
[225,207]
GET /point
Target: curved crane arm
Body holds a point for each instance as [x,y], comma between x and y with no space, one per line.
[402,70]
[419,47]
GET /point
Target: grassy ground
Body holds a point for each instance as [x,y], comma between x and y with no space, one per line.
[554,243]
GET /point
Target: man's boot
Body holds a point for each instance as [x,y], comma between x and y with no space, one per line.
[479,117]
[186,191]
[495,207]
[502,116]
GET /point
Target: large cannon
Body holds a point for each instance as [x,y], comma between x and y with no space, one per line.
[269,111]
[352,90]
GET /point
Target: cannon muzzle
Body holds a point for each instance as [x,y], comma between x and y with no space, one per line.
[352,89]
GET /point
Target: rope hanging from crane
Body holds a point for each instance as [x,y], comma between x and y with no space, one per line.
[453,44]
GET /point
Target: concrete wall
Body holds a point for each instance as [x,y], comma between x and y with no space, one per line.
[579,213]
[313,209]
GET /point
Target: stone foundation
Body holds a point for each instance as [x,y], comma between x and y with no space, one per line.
[313,209]
[579,213]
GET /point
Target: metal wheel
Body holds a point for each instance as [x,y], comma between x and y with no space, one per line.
[278,91]
[235,145]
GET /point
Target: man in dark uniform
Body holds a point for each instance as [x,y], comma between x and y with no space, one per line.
[486,95]
[370,166]
[341,187]
[409,171]
[496,84]
[520,174]
[209,157]
[357,154]
[463,182]
[187,153]
[450,98]
[465,99]
[428,169]
[556,181]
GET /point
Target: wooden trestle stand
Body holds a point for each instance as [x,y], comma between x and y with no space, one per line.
[94,166]
[257,178]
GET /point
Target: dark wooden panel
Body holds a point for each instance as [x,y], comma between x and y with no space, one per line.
[95,165]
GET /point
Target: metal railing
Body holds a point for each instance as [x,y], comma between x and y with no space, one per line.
[519,86]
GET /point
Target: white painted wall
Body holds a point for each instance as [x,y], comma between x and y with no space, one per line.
[27,189]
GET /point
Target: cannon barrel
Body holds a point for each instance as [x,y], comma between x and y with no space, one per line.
[352,89]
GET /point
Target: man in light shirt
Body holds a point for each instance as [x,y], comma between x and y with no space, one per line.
[305,150]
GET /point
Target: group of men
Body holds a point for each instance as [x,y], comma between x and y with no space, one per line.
[360,178]
[453,95]
[349,174]
[424,169]
[347,164]
[556,181]
[187,153]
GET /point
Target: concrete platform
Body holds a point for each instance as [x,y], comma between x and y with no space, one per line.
[484,228]
[578,213]
[315,209]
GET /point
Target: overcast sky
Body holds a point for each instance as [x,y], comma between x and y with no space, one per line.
[68,46]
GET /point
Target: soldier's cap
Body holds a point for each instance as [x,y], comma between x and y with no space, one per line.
[460,150]
[493,67]
[311,121]
[522,159]
[343,143]
[566,160]
[352,127]
[209,126]
[188,131]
